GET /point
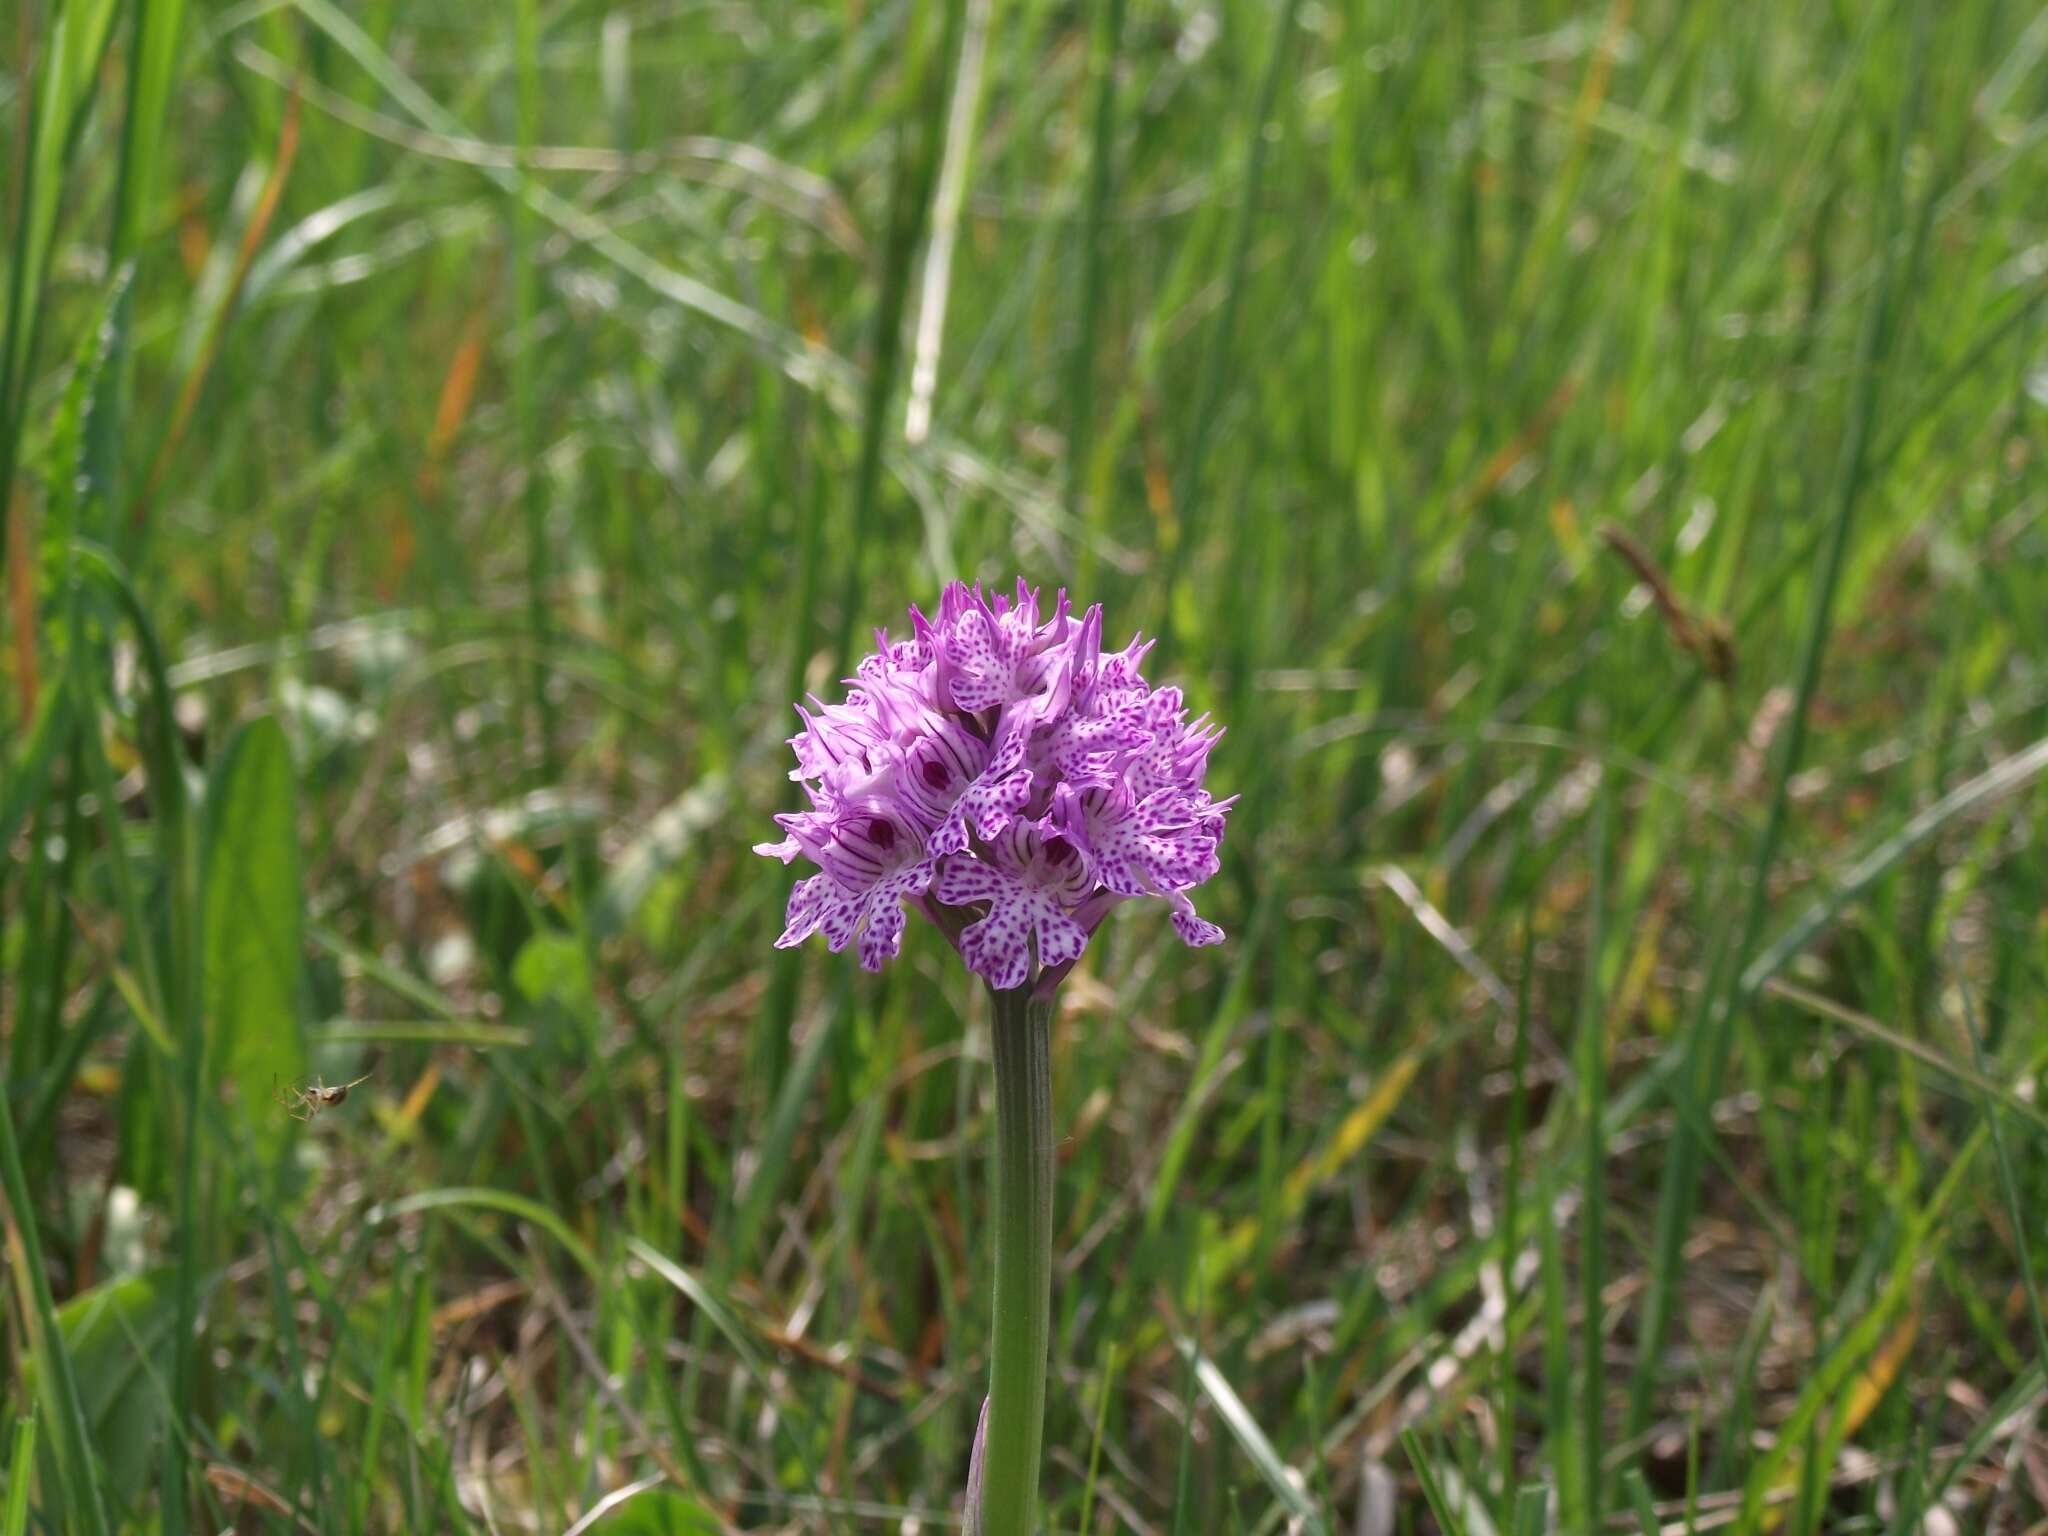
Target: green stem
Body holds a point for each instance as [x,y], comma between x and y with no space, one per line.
[1023,1299]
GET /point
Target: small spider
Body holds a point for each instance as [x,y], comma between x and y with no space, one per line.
[304,1103]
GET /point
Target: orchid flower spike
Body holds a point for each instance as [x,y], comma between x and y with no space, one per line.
[999,772]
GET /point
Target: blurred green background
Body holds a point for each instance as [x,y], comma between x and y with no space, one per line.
[1590,455]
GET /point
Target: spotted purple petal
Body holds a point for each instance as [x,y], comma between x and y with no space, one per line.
[1030,884]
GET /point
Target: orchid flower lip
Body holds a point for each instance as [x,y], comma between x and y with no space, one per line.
[1002,774]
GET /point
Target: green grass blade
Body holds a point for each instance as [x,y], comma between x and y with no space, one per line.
[152,68]
[912,171]
[1592,1066]
[1105,45]
[1219,355]
[2015,1211]
[60,91]
[2005,778]
[1714,1040]
[708,1302]
[28,776]
[1245,1430]
[499,1200]
[525,401]
[83,1500]
[21,1468]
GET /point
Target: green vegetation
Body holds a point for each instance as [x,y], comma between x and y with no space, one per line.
[1591,456]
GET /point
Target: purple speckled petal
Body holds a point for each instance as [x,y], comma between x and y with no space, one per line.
[817,904]
[1196,930]
[1031,881]
[883,936]
[964,878]
[996,948]
[1061,939]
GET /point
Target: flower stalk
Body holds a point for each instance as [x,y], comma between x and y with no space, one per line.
[1023,1262]
[1010,780]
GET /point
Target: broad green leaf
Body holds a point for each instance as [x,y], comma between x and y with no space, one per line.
[119,1338]
[253,933]
[119,1335]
